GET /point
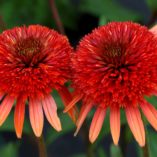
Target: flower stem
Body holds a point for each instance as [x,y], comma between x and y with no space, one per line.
[41,147]
[56,17]
[123,140]
[2,24]
[89,146]
[145,150]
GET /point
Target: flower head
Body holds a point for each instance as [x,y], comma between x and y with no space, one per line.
[115,67]
[33,61]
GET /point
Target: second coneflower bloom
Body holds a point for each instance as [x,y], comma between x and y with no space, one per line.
[34,61]
[115,67]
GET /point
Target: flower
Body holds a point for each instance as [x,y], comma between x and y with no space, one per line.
[115,67]
[33,61]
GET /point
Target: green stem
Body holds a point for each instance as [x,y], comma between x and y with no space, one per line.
[56,17]
[41,147]
[145,150]
[89,146]
[2,24]
[123,140]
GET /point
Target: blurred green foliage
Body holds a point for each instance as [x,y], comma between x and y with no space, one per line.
[16,12]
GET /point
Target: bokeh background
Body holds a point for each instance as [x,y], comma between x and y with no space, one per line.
[78,18]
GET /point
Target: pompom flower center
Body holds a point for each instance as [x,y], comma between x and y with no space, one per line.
[28,47]
[114,61]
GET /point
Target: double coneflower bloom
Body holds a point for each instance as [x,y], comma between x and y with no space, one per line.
[114,68]
[34,61]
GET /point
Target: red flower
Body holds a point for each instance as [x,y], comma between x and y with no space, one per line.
[33,61]
[115,67]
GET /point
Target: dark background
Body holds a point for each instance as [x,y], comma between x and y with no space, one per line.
[78,18]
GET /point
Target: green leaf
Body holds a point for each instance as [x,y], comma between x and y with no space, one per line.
[101,152]
[67,126]
[139,151]
[111,10]
[15,12]
[9,150]
[58,100]
[102,20]
[152,100]
[151,139]
[152,4]
[115,151]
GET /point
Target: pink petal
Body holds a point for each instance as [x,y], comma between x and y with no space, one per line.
[82,116]
[36,116]
[136,125]
[5,108]
[19,115]
[96,124]
[50,110]
[115,123]
[150,112]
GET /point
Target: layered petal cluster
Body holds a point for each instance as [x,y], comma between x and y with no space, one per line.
[33,61]
[115,67]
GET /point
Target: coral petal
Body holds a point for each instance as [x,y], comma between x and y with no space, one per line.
[72,103]
[150,112]
[67,98]
[115,124]
[154,30]
[19,115]
[136,125]
[96,124]
[82,116]
[50,110]
[5,108]
[36,116]
[1,96]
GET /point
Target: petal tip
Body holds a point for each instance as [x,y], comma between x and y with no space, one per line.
[92,139]
[59,128]
[76,132]
[115,143]
[19,135]
[142,144]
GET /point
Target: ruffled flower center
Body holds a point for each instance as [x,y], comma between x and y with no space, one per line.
[114,60]
[28,48]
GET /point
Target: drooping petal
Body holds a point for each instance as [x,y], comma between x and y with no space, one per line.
[1,96]
[36,116]
[136,125]
[154,30]
[50,110]
[82,116]
[96,124]
[19,115]
[67,98]
[150,112]
[115,123]
[72,103]
[5,108]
